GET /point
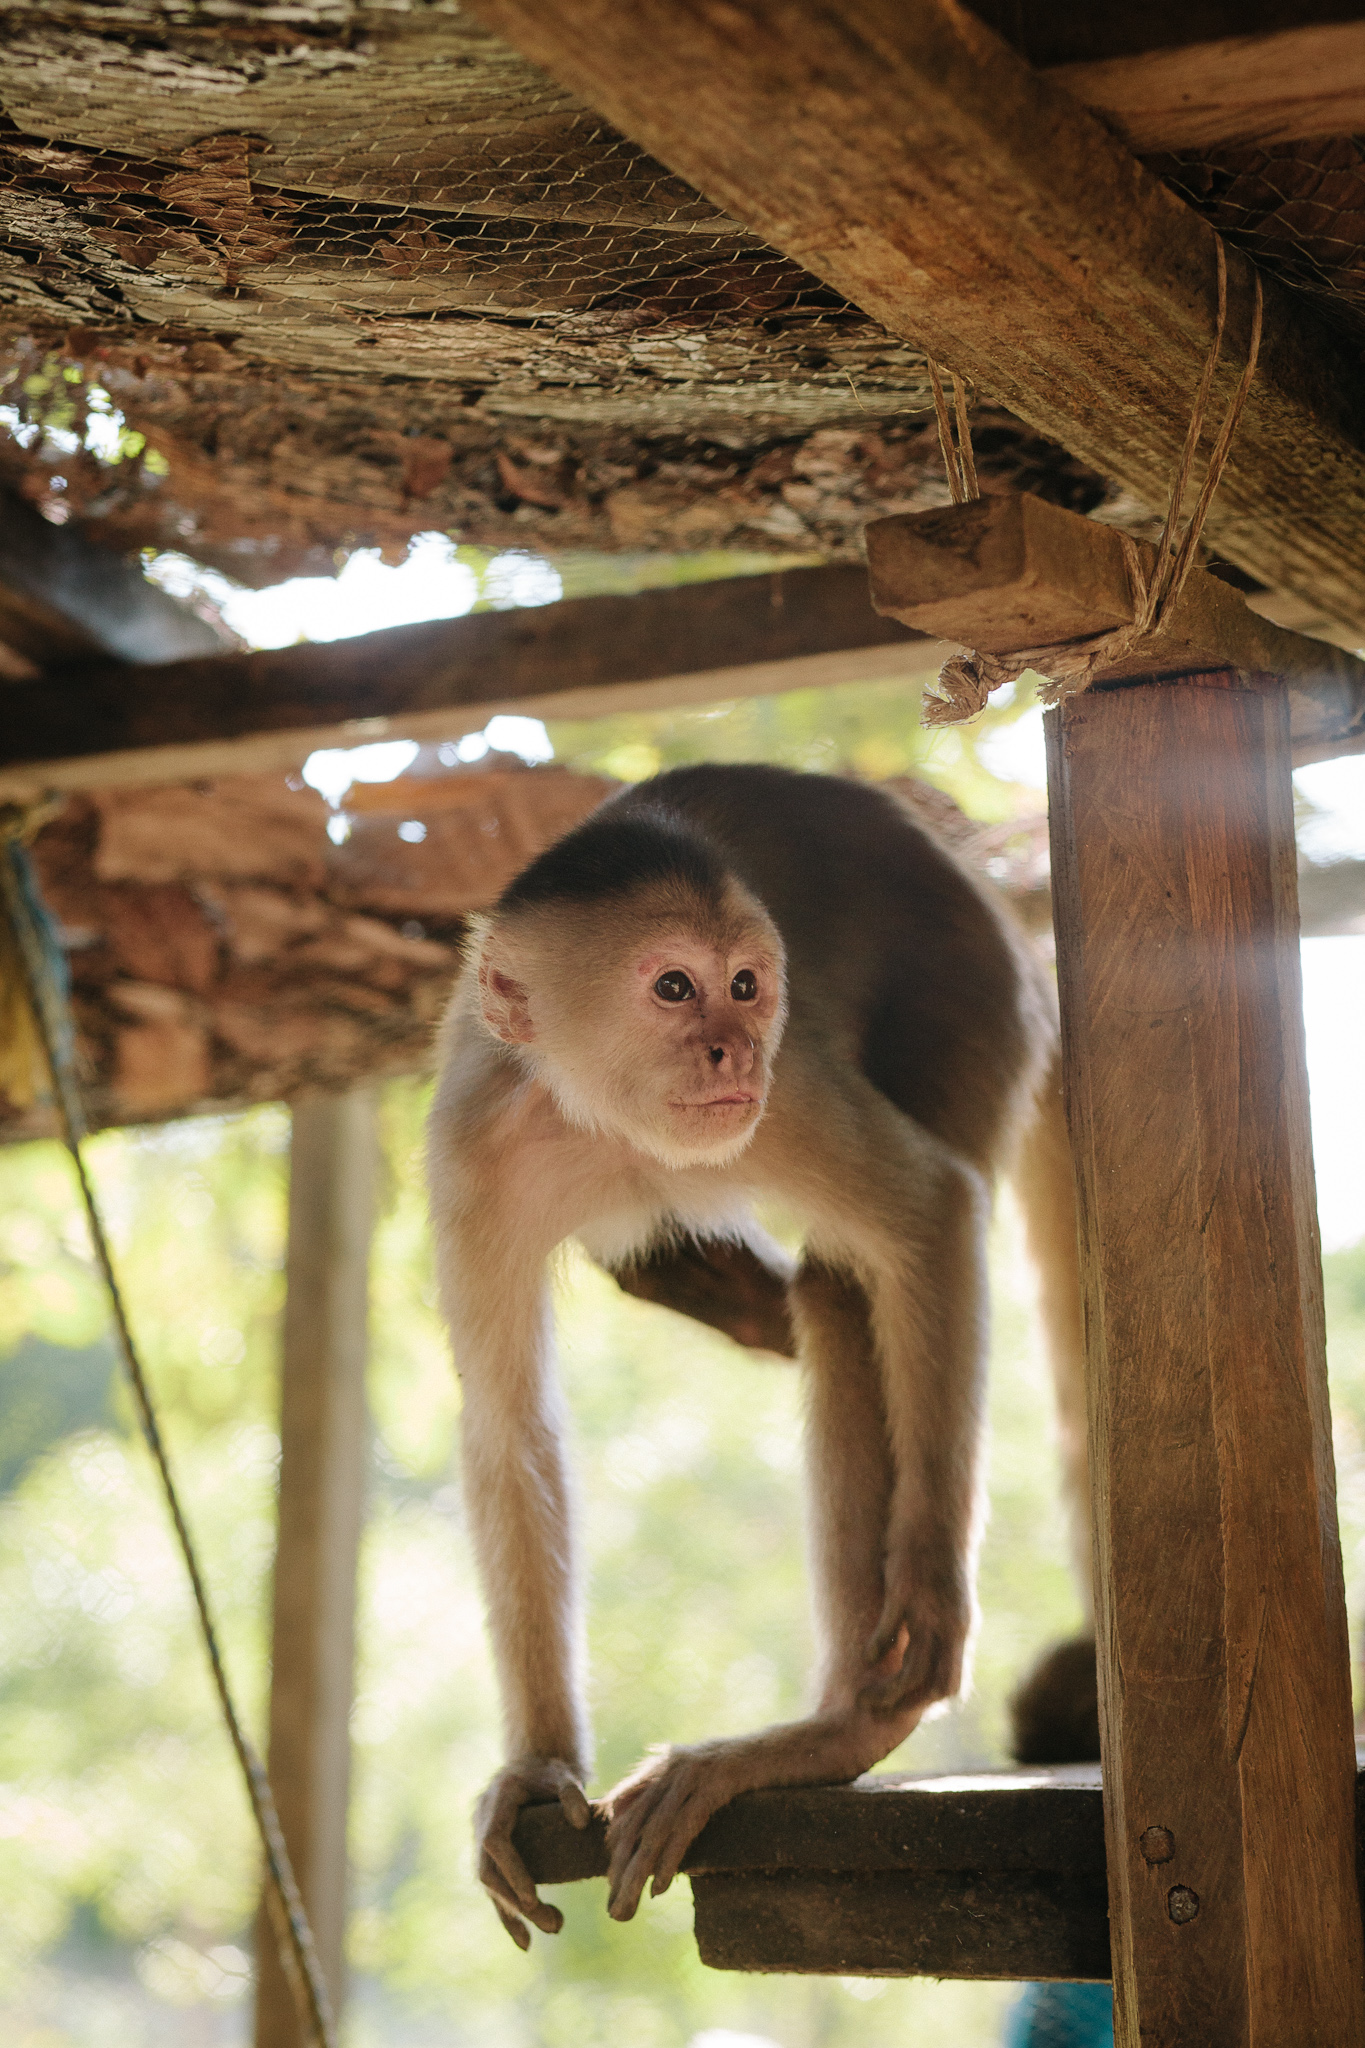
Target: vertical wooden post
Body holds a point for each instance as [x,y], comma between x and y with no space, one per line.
[1224,1681]
[323,1438]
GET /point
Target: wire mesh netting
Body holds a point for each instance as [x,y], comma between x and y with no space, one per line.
[1297,208]
[331,274]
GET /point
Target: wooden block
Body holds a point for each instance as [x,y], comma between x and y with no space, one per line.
[903,1923]
[999,573]
[1224,1680]
[1002,575]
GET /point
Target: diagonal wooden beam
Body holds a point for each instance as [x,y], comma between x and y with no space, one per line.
[62,597]
[240,714]
[915,161]
[1269,88]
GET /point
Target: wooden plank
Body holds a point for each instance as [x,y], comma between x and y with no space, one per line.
[1048,1819]
[915,162]
[904,1923]
[995,1875]
[581,658]
[1245,88]
[1224,1680]
[1048,34]
[323,1447]
[61,597]
[1003,574]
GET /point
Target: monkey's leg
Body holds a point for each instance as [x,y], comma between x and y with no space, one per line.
[658,1810]
[909,1216]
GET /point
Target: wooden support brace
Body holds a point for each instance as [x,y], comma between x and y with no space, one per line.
[323,1437]
[1224,1681]
[97,726]
[1004,574]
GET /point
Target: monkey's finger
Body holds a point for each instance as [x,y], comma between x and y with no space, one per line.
[541,1913]
[519,1931]
[889,1645]
[573,1803]
[914,1684]
[667,1820]
[500,1865]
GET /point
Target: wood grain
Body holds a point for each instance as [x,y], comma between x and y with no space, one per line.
[1003,574]
[1243,88]
[246,713]
[324,1444]
[910,158]
[1224,1680]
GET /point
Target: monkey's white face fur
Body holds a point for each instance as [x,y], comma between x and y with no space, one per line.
[653,1022]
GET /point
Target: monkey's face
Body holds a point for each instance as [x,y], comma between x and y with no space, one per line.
[653,1029]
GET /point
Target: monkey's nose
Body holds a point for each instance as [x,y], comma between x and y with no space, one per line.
[740,1054]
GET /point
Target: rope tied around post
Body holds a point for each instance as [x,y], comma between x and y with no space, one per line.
[43,982]
[966,680]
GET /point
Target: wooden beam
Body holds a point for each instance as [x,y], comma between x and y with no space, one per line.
[323,1450]
[587,656]
[1005,574]
[1267,88]
[1048,34]
[1000,1874]
[912,159]
[62,598]
[997,1875]
[1225,1697]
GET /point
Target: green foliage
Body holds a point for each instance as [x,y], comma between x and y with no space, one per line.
[867,729]
[126,1862]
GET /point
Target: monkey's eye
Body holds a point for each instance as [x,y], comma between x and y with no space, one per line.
[744,987]
[673,987]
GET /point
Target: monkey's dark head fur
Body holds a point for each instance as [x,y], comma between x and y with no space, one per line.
[614,853]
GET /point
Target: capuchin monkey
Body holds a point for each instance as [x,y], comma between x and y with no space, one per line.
[730,986]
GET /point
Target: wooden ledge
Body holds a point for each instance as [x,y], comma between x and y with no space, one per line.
[1000,1875]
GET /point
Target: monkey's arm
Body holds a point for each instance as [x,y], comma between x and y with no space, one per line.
[725,1284]
[895,1359]
[491,1246]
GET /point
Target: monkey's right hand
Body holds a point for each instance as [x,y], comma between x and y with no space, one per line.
[502,1873]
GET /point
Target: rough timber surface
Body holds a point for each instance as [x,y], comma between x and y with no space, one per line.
[1002,575]
[996,1875]
[1225,1707]
[235,713]
[910,158]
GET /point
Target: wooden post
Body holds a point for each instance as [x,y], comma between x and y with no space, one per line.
[1224,1681]
[323,1436]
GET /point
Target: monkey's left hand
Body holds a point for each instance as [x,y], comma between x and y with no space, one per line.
[657,1812]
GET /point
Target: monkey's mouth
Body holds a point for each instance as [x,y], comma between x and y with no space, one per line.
[721,1102]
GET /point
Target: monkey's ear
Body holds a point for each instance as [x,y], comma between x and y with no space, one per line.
[505,1004]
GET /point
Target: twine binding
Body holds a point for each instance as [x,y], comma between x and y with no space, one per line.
[966,680]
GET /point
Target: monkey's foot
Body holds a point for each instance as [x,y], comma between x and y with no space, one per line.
[502,1873]
[656,1813]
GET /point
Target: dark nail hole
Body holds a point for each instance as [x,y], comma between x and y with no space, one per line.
[1182,1904]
